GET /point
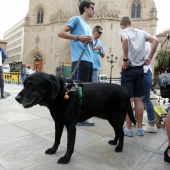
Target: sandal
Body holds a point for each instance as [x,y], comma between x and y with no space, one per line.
[166,157]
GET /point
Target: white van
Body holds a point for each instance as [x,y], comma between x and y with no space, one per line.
[6,68]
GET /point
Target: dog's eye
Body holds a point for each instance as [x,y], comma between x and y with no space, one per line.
[30,82]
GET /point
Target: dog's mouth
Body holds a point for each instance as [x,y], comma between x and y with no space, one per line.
[33,102]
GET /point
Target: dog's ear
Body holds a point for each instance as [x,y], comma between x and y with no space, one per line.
[53,87]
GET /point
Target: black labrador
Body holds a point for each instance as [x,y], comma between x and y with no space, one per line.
[71,102]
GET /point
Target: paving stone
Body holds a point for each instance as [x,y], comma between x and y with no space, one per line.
[24,152]
[82,137]
[1,168]
[41,113]
[2,122]
[102,127]
[36,126]
[17,117]
[10,132]
[78,162]
[156,162]
[130,158]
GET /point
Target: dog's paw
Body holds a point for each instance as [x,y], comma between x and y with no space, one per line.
[118,149]
[112,142]
[64,160]
[50,151]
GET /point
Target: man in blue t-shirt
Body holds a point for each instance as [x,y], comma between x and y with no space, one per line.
[99,51]
[78,31]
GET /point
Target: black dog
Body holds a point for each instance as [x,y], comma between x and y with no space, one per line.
[97,98]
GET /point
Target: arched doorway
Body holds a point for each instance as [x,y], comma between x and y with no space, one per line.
[64,67]
[38,62]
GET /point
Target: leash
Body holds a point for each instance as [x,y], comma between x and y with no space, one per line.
[78,62]
[77,88]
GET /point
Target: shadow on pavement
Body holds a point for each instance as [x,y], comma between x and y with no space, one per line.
[6,96]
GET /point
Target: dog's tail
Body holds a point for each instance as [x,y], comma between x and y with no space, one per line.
[131,115]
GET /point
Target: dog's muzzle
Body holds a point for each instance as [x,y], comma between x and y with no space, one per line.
[18,99]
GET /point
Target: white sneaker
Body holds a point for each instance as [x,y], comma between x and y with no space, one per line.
[150,129]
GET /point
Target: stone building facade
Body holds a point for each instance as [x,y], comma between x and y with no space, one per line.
[46,18]
[15,47]
[3,44]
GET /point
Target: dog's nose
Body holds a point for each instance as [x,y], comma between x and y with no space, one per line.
[18,99]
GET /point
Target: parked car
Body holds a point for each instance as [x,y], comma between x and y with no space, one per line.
[103,78]
[6,68]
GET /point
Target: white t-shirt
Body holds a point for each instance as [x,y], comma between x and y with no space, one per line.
[147,52]
[29,71]
[136,45]
[0,59]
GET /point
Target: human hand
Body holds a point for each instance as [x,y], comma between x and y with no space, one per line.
[147,61]
[98,47]
[83,38]
[125,65]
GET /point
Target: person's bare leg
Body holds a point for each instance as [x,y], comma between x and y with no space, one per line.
[139,110]
[167,126]
[128,121]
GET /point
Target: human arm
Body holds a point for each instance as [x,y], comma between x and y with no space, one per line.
[99,48]
[125,51]
[155,43]
[64,33]
[102,54]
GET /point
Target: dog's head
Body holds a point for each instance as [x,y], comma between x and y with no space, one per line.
[39,88]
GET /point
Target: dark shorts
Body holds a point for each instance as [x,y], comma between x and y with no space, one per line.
[84,71]
[132,78]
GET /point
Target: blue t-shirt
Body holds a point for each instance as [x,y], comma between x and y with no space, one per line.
[80,27]
[96,54]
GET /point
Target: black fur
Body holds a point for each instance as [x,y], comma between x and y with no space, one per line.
[98,98]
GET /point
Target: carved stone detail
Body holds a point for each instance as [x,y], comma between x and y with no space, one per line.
[106,14]
[37,39]
[100,14]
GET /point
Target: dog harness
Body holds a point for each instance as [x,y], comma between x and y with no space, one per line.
[74,88]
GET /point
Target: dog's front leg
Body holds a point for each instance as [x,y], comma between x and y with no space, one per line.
[71,135]
[58,132]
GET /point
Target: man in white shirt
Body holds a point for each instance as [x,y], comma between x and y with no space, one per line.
[29,71]
[133,45]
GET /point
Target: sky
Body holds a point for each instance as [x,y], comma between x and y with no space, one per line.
[12,11]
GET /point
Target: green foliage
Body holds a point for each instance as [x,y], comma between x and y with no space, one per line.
[160,57]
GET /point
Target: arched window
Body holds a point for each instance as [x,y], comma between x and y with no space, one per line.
[40,16]
[136,9]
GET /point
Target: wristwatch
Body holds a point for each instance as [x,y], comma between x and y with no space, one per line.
[125,59]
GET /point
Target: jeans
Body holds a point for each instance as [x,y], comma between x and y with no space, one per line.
[1,82]
[146,100]
[95,75]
